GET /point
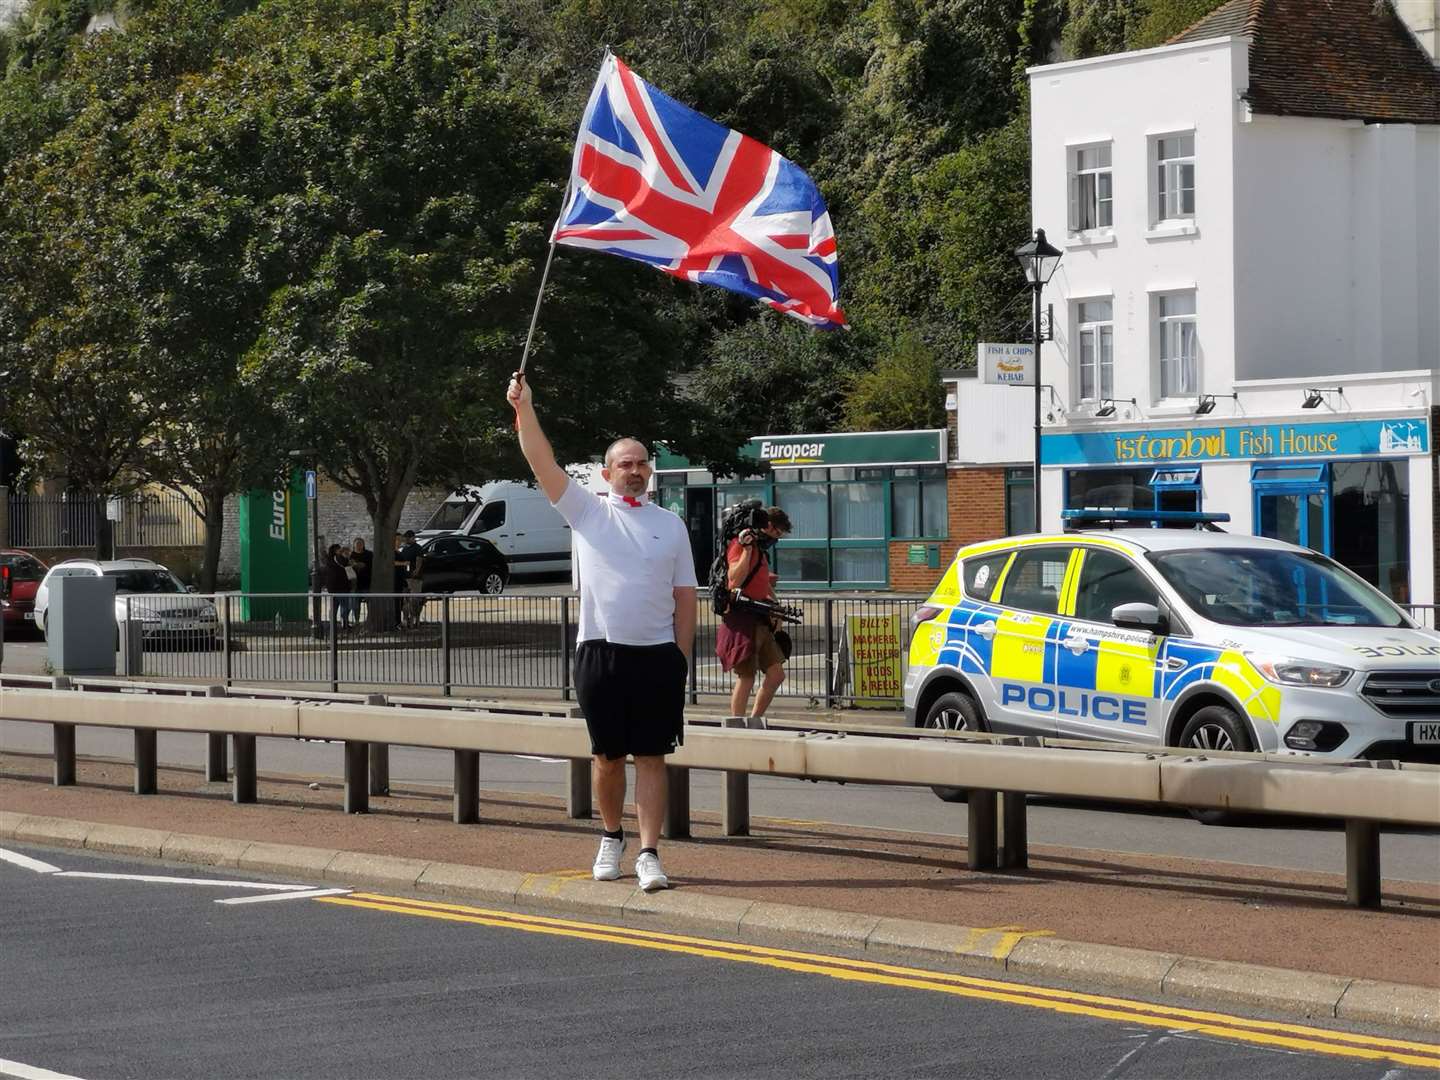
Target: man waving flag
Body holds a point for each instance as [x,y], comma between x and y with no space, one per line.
[658,182]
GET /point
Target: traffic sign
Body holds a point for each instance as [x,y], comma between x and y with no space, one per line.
[309,483]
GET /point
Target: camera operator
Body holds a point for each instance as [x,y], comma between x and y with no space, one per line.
[745,642]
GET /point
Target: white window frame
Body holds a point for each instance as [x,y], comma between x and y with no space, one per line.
[1177,337]
[1167,175]
[1100,334]
[1089,207]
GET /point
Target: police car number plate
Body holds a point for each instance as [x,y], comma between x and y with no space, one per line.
[1425,732]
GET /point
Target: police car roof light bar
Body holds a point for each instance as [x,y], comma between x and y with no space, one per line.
[1094,516]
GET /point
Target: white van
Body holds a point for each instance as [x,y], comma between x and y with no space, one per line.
[516,518]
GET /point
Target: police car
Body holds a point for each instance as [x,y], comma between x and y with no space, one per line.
[1173,637]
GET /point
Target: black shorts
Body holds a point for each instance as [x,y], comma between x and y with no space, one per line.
[633,697]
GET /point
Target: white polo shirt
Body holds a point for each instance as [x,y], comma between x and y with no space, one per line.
[629,557]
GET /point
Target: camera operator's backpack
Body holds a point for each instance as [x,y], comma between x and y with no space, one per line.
[736,519]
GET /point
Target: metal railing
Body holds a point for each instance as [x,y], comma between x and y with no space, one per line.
[1424,614]
[146,519]
[520,641]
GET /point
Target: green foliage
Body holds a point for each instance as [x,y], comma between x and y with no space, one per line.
[1166,18]
[1099,27]
[902,391]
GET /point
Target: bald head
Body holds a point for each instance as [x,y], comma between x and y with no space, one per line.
[631,446]
[627,467]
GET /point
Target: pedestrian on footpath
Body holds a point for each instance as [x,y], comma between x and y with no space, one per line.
[747,642]
[363,562]
[636,576]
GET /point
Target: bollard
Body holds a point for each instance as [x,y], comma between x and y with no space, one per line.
[735,799]
[243,780]
[677,805]
[64,754]
[1362,863]
[357,780]
[379,756]
[1013,849]
[467,787]
[578,802]
[146,762]
[980,849]
[216,767]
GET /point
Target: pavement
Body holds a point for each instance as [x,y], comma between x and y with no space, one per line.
[1165,929]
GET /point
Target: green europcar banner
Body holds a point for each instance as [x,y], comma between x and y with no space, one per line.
[274,551]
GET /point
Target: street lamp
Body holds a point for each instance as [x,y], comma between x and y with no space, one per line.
[1038,258]
[309,454]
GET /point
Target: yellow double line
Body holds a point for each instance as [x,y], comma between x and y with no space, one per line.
[1237,1028]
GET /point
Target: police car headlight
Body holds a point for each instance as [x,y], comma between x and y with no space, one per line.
[1298,673]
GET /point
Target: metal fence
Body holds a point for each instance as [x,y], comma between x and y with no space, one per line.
[145,519]
[515,642]
[1424,614]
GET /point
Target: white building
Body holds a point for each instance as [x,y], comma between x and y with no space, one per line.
[1247,313]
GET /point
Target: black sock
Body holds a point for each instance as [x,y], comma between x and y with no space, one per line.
[618,834]
[649,851]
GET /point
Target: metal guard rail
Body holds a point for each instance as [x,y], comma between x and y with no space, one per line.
[999,771]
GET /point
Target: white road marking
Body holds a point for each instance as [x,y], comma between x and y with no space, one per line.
[30,1072]
[266,885]
[27,863]
[284,896]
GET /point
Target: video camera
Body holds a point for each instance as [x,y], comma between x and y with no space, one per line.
[746,514]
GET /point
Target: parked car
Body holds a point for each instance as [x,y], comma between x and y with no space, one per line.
[461,564]
[145,591]
[26,573]
[517,518]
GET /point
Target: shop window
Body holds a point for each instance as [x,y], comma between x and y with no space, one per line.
[918,503]
[1175,177]
[856,565]
[857,511]
[1179,344]
[1177,489]
[1371,523]
[802,565]
[1019,501]
[1095,324]
[808,508]
[1112,489]
[1091,195]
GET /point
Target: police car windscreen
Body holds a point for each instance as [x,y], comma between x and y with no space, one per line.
[1273,588]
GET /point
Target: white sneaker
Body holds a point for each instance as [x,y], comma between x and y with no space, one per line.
[607,859]
[647,869]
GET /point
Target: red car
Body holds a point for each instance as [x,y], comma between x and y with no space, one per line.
[26,572]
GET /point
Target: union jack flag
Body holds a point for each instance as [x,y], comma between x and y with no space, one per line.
[658,182]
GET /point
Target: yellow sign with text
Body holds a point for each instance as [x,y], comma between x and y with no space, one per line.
[874,642]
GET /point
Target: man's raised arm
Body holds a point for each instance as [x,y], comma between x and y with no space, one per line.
[533,443]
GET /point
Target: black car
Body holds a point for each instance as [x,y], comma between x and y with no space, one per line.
[463,563]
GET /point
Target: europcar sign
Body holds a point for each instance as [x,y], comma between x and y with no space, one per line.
[840,448]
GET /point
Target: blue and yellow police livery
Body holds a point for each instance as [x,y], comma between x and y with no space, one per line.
[1179,638]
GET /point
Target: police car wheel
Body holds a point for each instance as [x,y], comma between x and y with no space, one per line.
[954,711]
[1216,728]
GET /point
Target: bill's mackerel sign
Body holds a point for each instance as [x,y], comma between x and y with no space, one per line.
[1338,438]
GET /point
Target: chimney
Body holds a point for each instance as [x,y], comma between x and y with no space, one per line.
[1423,19]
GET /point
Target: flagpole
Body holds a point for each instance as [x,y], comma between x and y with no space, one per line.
[544,278]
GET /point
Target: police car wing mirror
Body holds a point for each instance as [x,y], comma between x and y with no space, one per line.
[1140,617]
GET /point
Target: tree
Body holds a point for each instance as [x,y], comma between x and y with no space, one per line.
[901,392]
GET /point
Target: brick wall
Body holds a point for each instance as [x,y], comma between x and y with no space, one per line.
[185,561]
[976,506]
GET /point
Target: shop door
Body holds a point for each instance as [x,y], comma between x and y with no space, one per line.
[1292,503]
[700,520]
